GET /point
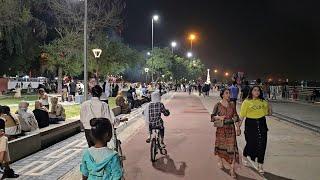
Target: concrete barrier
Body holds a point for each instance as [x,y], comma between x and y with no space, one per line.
[45,137]
[116,110]
[24,146]
[58,132]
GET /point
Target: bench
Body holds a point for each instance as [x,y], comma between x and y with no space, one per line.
[45,137]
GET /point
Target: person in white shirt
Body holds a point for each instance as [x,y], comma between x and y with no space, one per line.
[27,119]
[107,89]
[94,108]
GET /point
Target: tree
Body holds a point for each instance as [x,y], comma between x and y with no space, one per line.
[159,62]
[64,56]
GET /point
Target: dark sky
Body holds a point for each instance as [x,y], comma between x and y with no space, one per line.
[263,38]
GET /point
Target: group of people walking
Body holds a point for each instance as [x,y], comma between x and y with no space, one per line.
[254,110]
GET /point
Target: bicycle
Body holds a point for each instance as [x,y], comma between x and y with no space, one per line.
[117,143]
[155,145]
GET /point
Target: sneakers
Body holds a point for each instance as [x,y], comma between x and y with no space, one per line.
[260,169]
[245,162]
[9,173]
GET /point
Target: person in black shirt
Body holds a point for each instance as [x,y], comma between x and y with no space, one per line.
[245,91]
[41,114]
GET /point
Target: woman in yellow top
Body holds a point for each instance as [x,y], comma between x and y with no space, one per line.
[254,110]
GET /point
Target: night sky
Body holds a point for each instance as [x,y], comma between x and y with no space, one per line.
[263,38]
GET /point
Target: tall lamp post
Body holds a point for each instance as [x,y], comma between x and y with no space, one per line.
[97,54]
[173,45]
[155,18]
[85,70]
[192,37]
[146,70]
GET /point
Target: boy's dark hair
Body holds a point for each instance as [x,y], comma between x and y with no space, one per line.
[96,91]
[100,127]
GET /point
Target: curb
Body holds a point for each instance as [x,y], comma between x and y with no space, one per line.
[297,122]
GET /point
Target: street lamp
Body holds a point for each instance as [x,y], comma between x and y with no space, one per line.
[173,45]
[189,54]
[192,37]
[154,18]
[215,71]
[97,53]
[146,70]
[226,74]
[148,54]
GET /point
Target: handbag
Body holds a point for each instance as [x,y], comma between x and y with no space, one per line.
[216,123]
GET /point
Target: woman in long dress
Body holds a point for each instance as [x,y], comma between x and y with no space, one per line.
[226,144]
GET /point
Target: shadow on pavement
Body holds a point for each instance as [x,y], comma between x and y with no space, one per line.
[167,165]
[239,177]
[268,175]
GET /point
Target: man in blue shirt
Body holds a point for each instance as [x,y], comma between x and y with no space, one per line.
[234,90]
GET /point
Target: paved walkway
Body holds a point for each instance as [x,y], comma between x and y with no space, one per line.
[57,160]
[189,137]
[292,152]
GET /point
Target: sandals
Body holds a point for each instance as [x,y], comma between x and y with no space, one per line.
[233,174]
[220,165]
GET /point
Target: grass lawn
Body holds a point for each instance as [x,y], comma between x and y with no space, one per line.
[8,100]
[71,110]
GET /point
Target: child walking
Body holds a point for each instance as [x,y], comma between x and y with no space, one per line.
[99,162]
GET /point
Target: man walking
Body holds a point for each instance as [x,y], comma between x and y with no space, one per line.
[234,90]
[94,108]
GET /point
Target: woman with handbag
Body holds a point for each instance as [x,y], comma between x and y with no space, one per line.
[225,117]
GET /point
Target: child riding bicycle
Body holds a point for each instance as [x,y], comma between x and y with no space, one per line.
[152,115]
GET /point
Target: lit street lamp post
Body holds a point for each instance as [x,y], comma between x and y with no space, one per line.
[154,18]
[189,54]
[173,45]
[146,70]
[97,54]
[192,37]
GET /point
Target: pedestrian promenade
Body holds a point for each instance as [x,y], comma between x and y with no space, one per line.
[293,152]
[189,137]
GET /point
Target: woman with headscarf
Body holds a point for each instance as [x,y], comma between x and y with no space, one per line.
[120,101]
[152,115]
[57,110]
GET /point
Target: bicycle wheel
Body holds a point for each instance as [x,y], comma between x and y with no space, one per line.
[119,150]
[153,150]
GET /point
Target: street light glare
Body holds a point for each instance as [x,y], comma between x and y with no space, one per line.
[189,54]
[148,53]
[155,17]
[173,44]
[215,70]
[227,74]
[192,37]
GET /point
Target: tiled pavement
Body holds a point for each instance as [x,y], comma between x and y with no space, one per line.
[57,160]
